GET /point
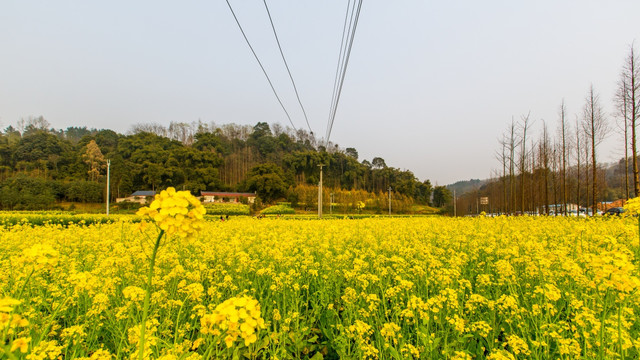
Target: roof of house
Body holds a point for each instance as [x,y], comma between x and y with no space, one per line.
[228,194]
[144,193]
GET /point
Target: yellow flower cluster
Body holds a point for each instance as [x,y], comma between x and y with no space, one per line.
[377,288]
[40,256]
[9,320]
[176,212]
[235,317]
[7,305]
[45,350]
[633,206]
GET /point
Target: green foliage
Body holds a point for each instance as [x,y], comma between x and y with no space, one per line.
[58,218]
[265,159]
[267,180]
[23,192]
[441,196]
[26,193]
[227,209]
[128,205]
[84,191]
[278,210]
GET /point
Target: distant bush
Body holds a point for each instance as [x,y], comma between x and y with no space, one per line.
[227,209]
[278,210]
[26,193]
[58,218]
[128,205]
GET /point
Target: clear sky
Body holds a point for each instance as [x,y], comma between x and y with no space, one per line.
[431,85]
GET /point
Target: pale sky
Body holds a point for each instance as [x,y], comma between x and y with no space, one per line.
[431,85]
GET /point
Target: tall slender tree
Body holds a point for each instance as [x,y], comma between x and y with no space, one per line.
[512,165]
[622,105]
[596,128]
[563,130]
[631,76]
[578,164]
[524,127]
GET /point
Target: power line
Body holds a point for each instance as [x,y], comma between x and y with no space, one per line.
[340,62]
[287,66]
[260,63]
[343,68]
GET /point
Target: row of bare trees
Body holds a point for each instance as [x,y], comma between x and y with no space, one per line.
[547,173]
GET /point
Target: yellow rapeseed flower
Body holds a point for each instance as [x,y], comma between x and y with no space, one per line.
[633,206]
[176,212]
[7,304]
[20,343]
[237,317]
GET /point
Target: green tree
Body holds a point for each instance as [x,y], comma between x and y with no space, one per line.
[268,182]
[441,196]
[26,193]
[352,152]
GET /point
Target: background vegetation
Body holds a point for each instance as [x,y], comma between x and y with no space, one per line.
[41,167]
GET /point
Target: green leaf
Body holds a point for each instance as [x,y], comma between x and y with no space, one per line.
[394,353]
[263,343]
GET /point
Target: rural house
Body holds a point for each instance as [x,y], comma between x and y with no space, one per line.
[227,197]
[137,197]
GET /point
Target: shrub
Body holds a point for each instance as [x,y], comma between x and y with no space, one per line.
[278,210]
[227,209]
[43,218]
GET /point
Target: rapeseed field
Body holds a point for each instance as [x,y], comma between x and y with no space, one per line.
[378,288]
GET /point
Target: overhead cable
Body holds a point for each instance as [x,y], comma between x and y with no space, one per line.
[340,61]
[261,67]
[287,66]
[342,66]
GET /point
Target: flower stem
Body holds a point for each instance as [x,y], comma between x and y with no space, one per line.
[147,296]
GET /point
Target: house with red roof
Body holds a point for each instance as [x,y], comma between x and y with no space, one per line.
[226,197]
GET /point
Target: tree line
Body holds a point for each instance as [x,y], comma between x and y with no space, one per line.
[562,165]
[271,160]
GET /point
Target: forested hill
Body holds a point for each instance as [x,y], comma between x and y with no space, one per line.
[71,164]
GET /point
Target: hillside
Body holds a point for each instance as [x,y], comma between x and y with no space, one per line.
[39,165]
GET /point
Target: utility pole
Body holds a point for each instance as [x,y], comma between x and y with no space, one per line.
[389,200]
[455,212]
[331,205]
[320,194]
[108,182]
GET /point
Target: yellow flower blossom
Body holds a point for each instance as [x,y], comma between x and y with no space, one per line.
[176,212]
[633,206]
[21,344]
[235,317]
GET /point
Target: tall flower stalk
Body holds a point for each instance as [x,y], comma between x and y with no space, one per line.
[175,213]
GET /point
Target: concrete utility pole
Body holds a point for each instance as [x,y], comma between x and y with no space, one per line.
[320,194]
[389,200]
[108,182]
[331,205]
[455,213]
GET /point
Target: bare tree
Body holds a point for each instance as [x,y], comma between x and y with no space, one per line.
[563,130]
[503,157]
[596,129]
[544,155]
[631,77]
[622,105]
[524,127]
[555,160]
[512,165]
[578,164]
[182,132]
[153,128]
